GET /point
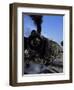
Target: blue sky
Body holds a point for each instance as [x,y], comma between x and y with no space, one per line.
[52,27]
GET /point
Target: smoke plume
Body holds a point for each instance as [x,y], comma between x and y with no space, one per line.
[38,21]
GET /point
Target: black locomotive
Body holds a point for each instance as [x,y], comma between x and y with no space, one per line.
[40,52]
[35,42]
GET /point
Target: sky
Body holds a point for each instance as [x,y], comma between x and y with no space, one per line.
[52,27]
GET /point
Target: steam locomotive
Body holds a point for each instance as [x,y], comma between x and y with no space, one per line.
[40,52]
[35,42]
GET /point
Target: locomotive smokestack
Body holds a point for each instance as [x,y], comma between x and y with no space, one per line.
[38,21]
